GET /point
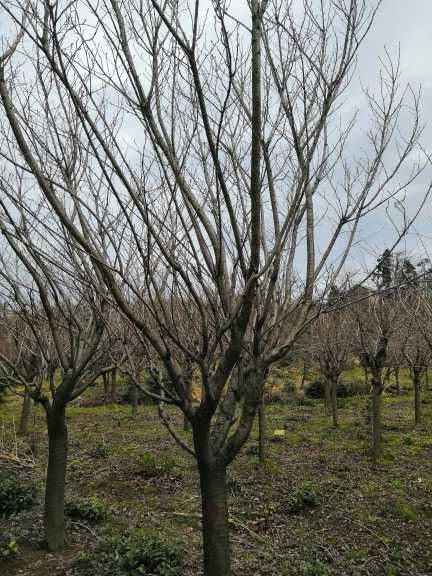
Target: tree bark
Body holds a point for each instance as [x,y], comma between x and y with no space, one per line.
[327,395]
[417,399]
[215,527]
[261,432]
[398,386]
[56,478]
[376,421]
[25,415]
[113,389]
[105,380]
[334,403]
[133,391]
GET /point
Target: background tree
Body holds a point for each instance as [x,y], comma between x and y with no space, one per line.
[58,326]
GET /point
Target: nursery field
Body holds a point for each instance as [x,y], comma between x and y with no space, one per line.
[317,507]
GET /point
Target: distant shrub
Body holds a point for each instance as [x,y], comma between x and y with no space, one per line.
[344,388]
[8,546]
[15,495]
[132,554]
[90,509]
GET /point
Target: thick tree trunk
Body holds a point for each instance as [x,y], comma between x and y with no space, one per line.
[376,421]
[262,432]
[186,423]
[417,399]
[334,403]
[56,479]
[25,415]
[215,525]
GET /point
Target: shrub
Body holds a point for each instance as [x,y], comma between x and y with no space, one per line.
[15,496]
[132,554]
[315,569]
[151,466]
[100,451]
[344,388]
[8,546]
[90,509]
[303,498]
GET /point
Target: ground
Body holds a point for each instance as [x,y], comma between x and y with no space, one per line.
[318,507]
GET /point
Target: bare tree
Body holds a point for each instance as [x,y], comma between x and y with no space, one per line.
[331,348]
[56,321]
[201,163]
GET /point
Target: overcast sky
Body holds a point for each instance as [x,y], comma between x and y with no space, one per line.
[400,25]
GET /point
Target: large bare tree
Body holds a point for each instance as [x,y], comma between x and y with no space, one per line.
[202,162]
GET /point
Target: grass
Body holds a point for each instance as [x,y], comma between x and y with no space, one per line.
[368,520]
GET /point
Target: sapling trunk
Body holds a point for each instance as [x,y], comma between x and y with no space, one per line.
[25,415]
[334,403]
[376,421]
[262,432]
[417,399]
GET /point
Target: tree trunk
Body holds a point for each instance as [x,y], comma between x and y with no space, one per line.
[417,399]
[366,373]
[113,390]
[105,380]
[327,395]
[334,403]
[186,423]
[398,386]
[25,415]
[261,432]
[56,478]
[215,525]
[133,391]
[304,374]
[376,421]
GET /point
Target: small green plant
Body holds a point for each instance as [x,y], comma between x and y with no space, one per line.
[316,569]
[151,466]
[90,509]
[135,553]
[8,546]
[304,497]
[405,512]
[15,496]
[100,451]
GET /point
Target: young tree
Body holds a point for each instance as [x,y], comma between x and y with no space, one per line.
[56,320]
[210,158]
[331,348]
